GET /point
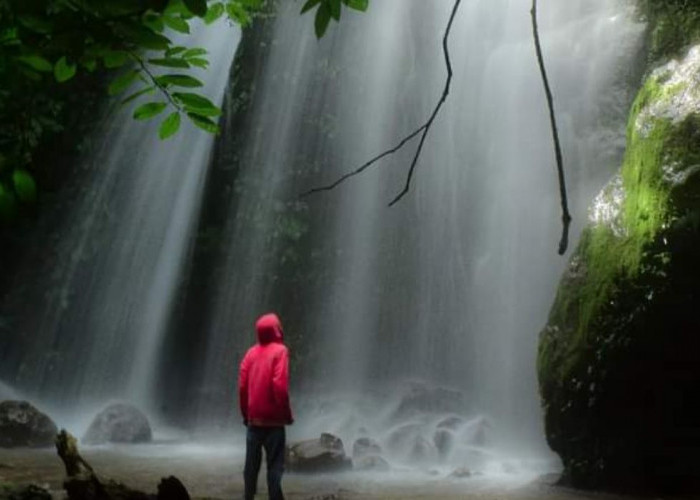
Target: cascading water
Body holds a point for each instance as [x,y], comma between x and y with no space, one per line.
[430,308]
[97,331]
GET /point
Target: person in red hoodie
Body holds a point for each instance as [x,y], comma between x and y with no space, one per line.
[263,394]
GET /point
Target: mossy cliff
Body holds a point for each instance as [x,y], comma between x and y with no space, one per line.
[619,360]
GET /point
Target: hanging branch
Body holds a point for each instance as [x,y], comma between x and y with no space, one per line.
[565,217]
[423,129]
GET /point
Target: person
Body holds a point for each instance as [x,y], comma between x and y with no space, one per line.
[263,394]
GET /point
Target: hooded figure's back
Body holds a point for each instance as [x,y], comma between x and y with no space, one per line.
[263,382]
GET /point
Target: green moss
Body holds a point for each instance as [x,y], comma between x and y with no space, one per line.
[607,257]
[674,24]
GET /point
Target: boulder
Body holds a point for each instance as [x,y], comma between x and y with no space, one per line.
[21,424]
[171,488]
[618,359]
[119,423]
[461,473]
[325,454]
[365,446]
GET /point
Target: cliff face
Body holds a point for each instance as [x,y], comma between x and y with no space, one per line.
[619,359]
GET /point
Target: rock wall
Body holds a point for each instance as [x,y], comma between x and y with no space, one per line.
[619,359]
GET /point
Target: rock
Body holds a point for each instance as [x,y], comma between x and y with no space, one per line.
[325,454]
[21,424]
[371,462]
[171,488]
[443,439]
[618,359]
[24,492]
[461,473]
[453,422]
[422,451]
[119,423]
[365,446]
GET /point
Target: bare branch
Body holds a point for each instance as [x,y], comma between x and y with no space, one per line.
[565,217]
[425,128]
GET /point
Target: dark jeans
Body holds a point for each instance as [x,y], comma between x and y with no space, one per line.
[272,439]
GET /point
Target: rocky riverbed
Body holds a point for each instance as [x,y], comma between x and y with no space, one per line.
[216,472]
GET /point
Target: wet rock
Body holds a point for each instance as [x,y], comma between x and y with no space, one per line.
[371,462]
[365,446]
[325,454]
[461,473]
[171,488]
[452,422]
[443,439]
[119,423]
[24,492]
[422,451]
[21,424]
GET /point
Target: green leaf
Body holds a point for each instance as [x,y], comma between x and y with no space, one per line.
[175,51]
[179,81]
[199,62]
[204,123]
[196,103]
[149,110]
[214,12]
[138,94]
[122,82]
[36,62]
[197,7]
[154,21]
[170,62]
[237,13]
[115,58]
[37,24]
[169,126]
[25,187]
[195,52]
[323,17]
[177,24]
[63,71]
[360,5]
[310,4]
[334,6]
[143,36]
[89,63]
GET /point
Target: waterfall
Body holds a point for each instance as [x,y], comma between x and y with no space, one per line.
[96,330]
[449,288]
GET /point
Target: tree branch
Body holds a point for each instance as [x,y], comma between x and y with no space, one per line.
[565,217]
[425,128]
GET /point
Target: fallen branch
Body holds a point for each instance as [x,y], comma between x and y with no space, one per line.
[565,217]
[82,483]
[425,128]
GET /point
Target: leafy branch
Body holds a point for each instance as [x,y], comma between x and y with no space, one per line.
[422,130]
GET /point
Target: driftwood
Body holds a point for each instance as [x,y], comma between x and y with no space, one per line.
[82,483]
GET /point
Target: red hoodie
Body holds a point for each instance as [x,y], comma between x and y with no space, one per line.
[263,382]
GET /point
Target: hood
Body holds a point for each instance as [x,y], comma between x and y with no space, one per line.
[268,329]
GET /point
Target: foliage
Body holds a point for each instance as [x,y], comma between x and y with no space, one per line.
[674,24]
[48,48]
[330,9]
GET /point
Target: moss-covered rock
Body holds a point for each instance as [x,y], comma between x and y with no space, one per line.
[619,360]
